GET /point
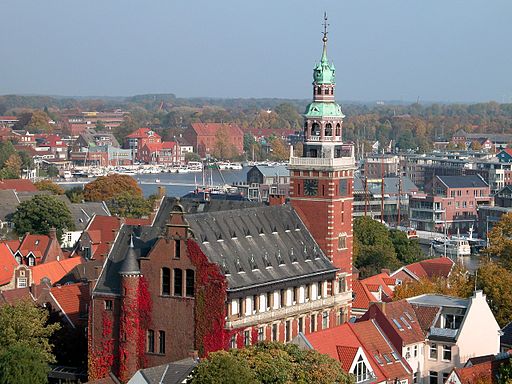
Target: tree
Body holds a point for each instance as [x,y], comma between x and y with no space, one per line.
[52,171]
[25,350]
[270,363]
[192,156]
[280,152]
[129,205]
[6,150]
[500,239]
[223,149]
[41,213]
[75,194]
[248,142]
[48,185]
[39,121]
[496,282]
[407,250]
[106,188]
[373,249]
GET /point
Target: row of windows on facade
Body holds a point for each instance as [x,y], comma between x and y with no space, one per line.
[176,280]
[283,298]
[315,129]
[446,352]
[31,260]
[288,330]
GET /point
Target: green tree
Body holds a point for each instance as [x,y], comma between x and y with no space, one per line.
[270,363]
[500,240]
[129,205]
[248,141]
[192,156]
[48,185]
[39,121]
[373,249]
[106,188]
[25,350]
[407,250]
[75,194]
[6,150]
[52,171]
[41,213]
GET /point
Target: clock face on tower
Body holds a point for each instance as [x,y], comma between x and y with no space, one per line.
[310,187]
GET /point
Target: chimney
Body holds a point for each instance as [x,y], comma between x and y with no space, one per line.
[276,199]
[53,233]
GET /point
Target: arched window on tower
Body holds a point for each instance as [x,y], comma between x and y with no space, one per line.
[318,90]
[315,129]
[338,129]
[332,91]
[328,129]
[189,283]
[305,128]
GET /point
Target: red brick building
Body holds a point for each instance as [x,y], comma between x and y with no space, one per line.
[164,153]
[203,137]
[138,139]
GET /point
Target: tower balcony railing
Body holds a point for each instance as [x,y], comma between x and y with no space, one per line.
[346,161]
[324,139]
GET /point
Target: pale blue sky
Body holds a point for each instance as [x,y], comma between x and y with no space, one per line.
[440,50]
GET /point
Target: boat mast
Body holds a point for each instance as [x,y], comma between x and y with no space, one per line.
[399,194]
[382,189]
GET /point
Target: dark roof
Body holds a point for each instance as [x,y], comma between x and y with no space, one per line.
[130,265]
[390,185]
[172,373]
[242,241]
[506,337]
[257,246]
[468,181]
[8,203]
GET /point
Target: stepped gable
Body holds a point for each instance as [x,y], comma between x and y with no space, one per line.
[258,246]
[144,237]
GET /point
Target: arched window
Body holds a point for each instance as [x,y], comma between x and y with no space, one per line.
[332,91]
[177,248]
[166,281]
[189,291]
[318,91]
[326,91]
[178,282]
[328,129]
[338,129]
[315,129]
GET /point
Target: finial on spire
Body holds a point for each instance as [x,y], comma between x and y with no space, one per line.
[131,240]
[325,24]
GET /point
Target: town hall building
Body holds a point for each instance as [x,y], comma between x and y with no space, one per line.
[210,275]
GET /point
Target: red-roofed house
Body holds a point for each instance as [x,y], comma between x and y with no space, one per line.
[431,268]
[136,140]
[479,370]
[38,249]
[165,153]
[377,288]
[98,237]
[18,185]
[362,349]
[203,137]
[55,145]
[72,300]
[7,264]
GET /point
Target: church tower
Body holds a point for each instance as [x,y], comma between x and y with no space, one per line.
[322,176]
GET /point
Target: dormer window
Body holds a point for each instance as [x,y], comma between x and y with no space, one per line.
[31,261]
[361,371]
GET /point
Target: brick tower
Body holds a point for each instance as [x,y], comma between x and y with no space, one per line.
[322,178]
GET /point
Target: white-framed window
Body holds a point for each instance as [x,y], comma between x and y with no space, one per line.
[22,282]
[31,261]
[433,352]
[361,371]
[247,338]
[415,348]
[447,353]
[432,377]
[261,334]
[325,319]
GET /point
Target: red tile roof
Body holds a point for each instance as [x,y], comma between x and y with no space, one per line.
[19,185]
[142,133]
[7,264]
[363,289]
[54,270]
[134,221]
[37,244]
[346,356]
[168,144]
[438,267]
[102,232]
[425,315]
[72,300]
[210,129]
[12,296]
[362,296]
[482,370]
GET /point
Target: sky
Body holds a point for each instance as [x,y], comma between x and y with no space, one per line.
[434,50]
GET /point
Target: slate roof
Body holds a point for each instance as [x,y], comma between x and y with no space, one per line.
[390,186]
[8,203]
[257,246]
[243,242]
[506,337]
[172,373]
[467,181]
[272,171]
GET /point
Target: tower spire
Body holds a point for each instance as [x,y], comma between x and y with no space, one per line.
[324,39]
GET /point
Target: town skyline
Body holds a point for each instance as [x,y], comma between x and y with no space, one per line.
[399,51]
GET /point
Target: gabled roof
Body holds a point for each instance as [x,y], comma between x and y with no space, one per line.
[482,369]
[506,335]
[143,133]
[272,171]
[430,268]
[72,300]
[362,295]
[12,296]
[467,181]
[54,270]
[19,185]
[363,290]
[35,244]
[210,129]
[426,315]
[7,264]
[171,373]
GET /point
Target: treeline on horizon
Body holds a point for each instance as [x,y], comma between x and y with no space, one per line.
[408,126]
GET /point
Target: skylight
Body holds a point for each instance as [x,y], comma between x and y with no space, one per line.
[379,360]
[405,322]
[386,357]
[395,356]
[399,326]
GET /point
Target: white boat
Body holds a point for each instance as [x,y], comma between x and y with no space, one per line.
[195,166]
[157,180]
[452,246]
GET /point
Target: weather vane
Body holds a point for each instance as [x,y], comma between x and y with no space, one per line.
[325,24]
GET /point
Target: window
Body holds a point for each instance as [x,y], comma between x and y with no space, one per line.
[247,338]
[325,319]
[151,341]
[432,377]
[415,377]
[395,356]
[288,330]
[161,339]
[108,305]
[379,360]
[341,316]
[407,352]
[31,261]
[178,282]
[386,357]
[405,322]
[306,293]
[233,342]
[22,282]
[447,353]
[189,283]
[415,351]
[274,332]
[361,371]
[177,249]
[283,298]
[433,351]
[319,290]
[398,325]
[269,300]
[261,334]
[166,281]
[301,324]
[342,241]
[313,323]
[69,237]
[445,376]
